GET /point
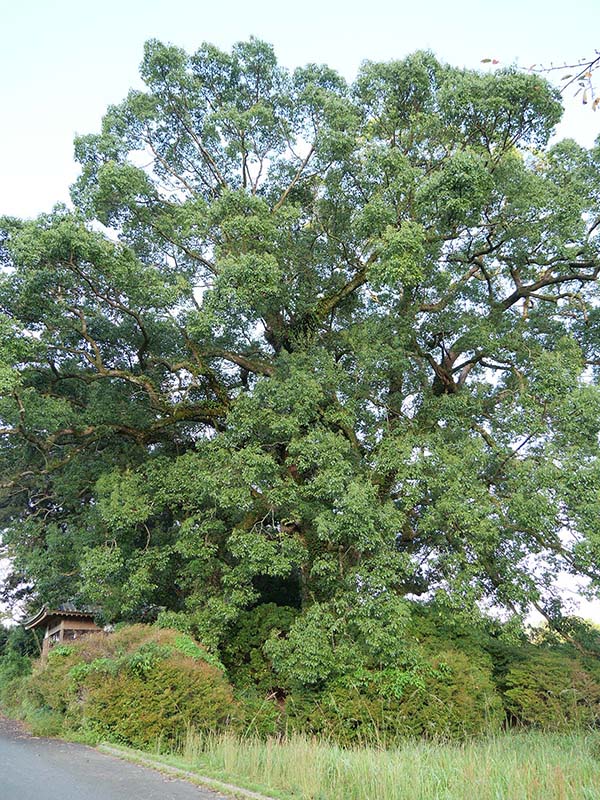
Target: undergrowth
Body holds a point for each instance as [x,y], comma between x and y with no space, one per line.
[511,766]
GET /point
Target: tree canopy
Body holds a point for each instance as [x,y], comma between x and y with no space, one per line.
[331,346]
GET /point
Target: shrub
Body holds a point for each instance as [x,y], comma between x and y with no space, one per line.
[343,714]
[15,646]
[261,716]
[12,694]
[43,722]
[189,647]
[449,697]
[135,686]
[552,691]
[162,703]
[458,699]
[50,684]
[13,665]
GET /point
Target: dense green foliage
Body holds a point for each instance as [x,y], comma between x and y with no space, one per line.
[145,684]
[301,343]
[17,647]
[448,698]
[554,693]
[136,686]
[160,704]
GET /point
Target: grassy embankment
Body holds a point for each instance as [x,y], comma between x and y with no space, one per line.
[527,766]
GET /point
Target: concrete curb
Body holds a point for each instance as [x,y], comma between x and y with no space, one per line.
[138,757]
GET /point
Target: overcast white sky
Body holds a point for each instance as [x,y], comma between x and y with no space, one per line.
[62,62]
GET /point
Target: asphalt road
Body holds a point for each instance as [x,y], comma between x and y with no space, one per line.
[49,769]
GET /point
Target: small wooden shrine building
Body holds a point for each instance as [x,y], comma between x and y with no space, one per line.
[61,625]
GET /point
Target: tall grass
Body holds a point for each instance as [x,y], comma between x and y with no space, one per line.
[525,766]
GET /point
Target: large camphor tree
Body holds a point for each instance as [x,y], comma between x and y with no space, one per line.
[301,342]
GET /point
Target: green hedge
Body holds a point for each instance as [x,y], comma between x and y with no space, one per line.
[136,686]
[143,684]
[159,704]
[449,697]
[553,692]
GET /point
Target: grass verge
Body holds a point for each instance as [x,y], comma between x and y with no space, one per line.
[521,766]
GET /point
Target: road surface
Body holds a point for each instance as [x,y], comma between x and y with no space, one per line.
[50,769]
